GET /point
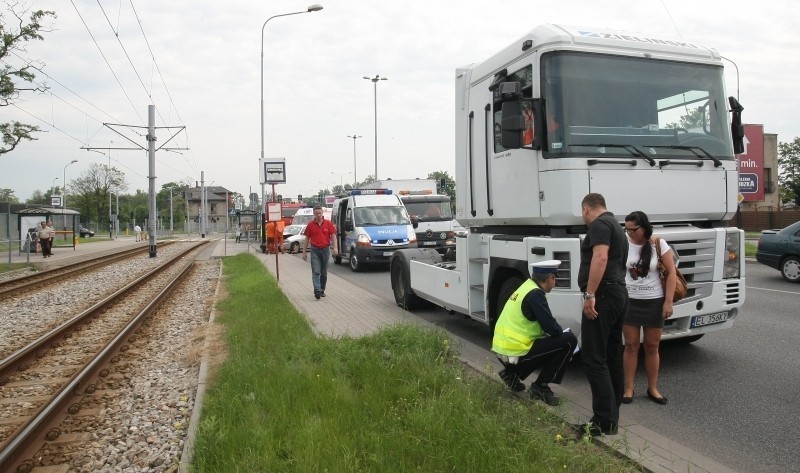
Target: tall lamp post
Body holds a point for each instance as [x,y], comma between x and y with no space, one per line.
[311,8]
[64,183]
[355,174]
[375,95]
[53,187]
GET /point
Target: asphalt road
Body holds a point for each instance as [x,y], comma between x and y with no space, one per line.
[733,394]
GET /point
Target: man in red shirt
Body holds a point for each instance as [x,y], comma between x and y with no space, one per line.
[320,234]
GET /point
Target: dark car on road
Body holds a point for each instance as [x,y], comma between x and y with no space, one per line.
[780,249]
[85,232]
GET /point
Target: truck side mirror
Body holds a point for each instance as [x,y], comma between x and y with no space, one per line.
[348,225]
[737,129]
[414,221]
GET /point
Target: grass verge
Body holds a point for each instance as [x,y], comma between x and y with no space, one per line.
[398,401]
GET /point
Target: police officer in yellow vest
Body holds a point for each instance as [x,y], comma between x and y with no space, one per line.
[527,336]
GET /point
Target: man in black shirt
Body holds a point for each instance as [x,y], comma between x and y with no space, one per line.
[601,277]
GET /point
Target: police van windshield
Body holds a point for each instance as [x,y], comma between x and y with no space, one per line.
[613,105]
[379,216]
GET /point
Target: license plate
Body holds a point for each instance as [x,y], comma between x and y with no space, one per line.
[709,319]
[388,253]
[429,243]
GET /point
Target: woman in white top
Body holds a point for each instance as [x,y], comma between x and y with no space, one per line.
[650,303]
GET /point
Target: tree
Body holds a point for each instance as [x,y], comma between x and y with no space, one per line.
[94,187]
[12,42]
[449,185]
[789,170]
[7,195]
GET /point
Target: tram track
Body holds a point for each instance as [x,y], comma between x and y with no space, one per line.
[41,279]
[49,379]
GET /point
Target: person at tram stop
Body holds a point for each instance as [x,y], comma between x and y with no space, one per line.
[238,233]
[280,226]
[45,236]
[137,230]
[527,337]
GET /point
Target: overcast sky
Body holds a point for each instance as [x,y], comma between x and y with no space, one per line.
[206,77]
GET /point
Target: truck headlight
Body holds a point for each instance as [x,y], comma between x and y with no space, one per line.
[731,268]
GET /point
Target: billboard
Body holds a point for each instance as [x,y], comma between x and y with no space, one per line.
[751,164]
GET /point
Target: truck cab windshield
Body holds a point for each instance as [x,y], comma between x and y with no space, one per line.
[610,105]
[429,211]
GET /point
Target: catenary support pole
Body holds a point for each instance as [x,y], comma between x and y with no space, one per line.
[151,153]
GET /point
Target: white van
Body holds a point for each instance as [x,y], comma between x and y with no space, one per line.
[371,224]
[305,215]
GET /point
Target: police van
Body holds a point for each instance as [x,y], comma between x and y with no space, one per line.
[371,224]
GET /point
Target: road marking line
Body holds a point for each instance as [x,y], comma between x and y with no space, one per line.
[772,290]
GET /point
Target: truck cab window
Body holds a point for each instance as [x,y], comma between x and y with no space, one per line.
[525,77]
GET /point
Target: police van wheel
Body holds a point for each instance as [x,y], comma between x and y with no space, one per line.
[401,287]
[355,264]
[509,286]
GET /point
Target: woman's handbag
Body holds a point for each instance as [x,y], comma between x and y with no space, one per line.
[38,247]
[680,282]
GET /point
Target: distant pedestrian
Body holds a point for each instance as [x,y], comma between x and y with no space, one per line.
[601,277]
[238,233]
[650,303]
[45,236]
[527,336]
[320,234]
[137,230]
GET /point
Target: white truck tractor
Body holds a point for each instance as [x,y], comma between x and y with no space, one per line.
[565,111]
[430,211]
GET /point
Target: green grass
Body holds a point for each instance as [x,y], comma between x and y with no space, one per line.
[750,249]
[287,400]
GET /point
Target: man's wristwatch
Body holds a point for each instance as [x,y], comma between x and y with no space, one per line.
[588,295]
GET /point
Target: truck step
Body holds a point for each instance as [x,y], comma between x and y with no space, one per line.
[477,287]
[479,260]
[481,314]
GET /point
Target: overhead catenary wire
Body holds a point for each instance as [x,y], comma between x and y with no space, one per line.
[107,63]
[164,82]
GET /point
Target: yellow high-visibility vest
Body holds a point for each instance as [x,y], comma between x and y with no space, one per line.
[514,334]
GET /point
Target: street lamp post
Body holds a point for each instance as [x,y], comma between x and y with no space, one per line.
[53,187]
[375,96]
[355,174]
[311,8]
[64,184]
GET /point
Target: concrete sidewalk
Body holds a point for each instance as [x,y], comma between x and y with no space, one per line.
[349,310]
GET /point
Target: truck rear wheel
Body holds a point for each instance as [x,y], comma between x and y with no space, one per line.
[401,285]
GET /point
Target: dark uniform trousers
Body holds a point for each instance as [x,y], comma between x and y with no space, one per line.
[551,354]
[601,353]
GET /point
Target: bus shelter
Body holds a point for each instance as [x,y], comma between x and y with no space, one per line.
[65,223]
